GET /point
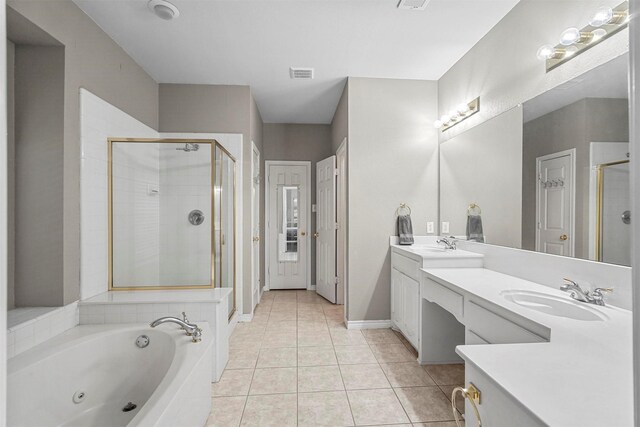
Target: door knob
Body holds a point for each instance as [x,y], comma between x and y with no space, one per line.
[316,234]
[563,237]
[303,233]
[256,239]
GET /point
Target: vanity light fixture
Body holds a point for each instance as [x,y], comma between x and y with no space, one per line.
[604,23]
[462,112]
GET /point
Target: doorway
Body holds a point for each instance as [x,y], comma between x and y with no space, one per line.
[555,203]
[325,235]
[288,209]
[255,225]
[341,238]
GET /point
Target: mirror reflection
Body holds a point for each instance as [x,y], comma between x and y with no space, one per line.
[551,175]
[288,224]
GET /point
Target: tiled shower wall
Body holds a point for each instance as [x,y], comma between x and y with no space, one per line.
[185,182]
[99,120]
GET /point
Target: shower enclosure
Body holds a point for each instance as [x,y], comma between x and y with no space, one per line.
[172,215]
[613,213]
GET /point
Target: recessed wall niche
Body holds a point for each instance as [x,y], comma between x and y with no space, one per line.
[35,81]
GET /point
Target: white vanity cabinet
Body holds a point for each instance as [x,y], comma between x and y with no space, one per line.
[405,297]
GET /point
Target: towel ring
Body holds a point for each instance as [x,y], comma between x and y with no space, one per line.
[401,207]
[474,209]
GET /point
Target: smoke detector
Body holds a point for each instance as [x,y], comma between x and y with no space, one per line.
[163,9]
[301,73]
[413,4]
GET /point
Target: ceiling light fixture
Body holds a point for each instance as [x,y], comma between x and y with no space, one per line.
[604,23]
[461,113]
[163,9]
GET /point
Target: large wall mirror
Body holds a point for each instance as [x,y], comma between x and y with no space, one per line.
[551,175]
[171,215]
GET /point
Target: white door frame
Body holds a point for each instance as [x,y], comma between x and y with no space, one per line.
[341,219]
[572,197]
[255,265]
[267,165]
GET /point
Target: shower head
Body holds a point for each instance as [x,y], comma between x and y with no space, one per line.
[189,147]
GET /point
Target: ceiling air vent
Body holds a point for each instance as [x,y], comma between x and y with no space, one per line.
[301,73]
[413,4]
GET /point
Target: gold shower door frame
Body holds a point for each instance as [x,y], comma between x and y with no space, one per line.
[213,144]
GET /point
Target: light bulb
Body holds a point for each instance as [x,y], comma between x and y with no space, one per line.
[437,124]
[454,116]
[569,36]
[445,119]
[599,33]
[463,108]
[603,16]
[546,52]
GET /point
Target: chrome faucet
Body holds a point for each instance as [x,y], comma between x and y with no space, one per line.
[579,294]
[192,329]
[448,242]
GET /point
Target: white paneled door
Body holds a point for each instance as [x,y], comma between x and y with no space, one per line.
[287,224]
[555,203]
[255,225]
[325,234]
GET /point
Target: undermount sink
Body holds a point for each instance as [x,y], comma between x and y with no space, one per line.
[553,305]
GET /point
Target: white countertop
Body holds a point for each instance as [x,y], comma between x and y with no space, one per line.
[150,297]
[582,377]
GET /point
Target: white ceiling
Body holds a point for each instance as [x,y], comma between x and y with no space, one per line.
[609,80]
[254,42]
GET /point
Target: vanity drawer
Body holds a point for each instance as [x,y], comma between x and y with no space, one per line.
[406,265]
[495,329]
[450,300]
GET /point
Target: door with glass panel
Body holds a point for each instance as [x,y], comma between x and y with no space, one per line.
[287,222]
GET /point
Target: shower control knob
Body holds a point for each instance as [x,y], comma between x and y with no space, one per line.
[196,217]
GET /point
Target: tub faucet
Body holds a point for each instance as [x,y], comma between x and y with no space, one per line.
[579,294]
[192,329]
[448,242]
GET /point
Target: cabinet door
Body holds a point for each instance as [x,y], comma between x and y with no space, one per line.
[411,309]
[396,299]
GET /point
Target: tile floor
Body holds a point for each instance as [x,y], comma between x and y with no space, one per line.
[296,364]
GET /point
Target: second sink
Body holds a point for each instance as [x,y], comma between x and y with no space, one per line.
[553,305]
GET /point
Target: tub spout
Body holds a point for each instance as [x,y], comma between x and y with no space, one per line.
[192,329]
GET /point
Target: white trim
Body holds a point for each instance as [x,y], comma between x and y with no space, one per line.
[368,324]
[572,197]
[245,317]
[312,288]
[3,220]
[343,281]
[307,165]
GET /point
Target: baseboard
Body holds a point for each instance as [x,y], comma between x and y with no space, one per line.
[312,288]
[245,317]
[368,324]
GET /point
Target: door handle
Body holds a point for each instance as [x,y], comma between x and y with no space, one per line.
[316,234]
[303,233]
[256,239]
[563,237]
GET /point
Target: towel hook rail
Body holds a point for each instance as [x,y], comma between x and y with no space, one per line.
[401,207]
[474,209]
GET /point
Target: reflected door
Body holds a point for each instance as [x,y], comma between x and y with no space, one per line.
[326,228]
[288,189]
[554,203]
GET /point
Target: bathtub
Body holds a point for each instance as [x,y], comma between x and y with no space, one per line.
[89,374]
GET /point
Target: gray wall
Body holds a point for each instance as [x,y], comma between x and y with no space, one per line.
[393,158]
[221,109]
[95,62]
[505,74]
[11,176]
[300,142]
[574,126]
[340,122]
[39,164]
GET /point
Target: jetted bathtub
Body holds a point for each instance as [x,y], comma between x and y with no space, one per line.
[93,375]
